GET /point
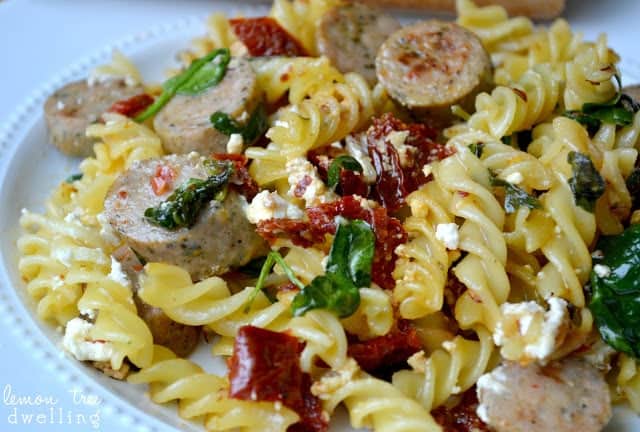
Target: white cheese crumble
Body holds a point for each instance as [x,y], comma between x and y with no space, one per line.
[235,144]
[494,382]
[540,343]
[302,174]
[448,234]
[427,170]
[405,152]
[79,344]
[117,275]
[74,217]
[108,234]
[60,105]
[602,270]
[357,150]
[270,205]
[515,178]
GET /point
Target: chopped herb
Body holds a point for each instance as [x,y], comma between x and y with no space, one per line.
[348,269]
[73,177]
[618,111]
[514,196]
[506,139]
[182,207]
[633,184]
[270,260]
[250,132]
[615,300]
[203,73]
[477,149]
[586,184]
[343,161]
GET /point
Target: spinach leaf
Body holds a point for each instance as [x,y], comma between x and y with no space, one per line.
[477,149]
[615,300]
[586,184]
[343,161]
[618,111]
[348,269]
[203,73]
[73,177]
[514,196]
[272,259]
[182,207]
[250,132]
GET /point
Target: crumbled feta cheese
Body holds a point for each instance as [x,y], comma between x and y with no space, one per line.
[602,270]
[597,254]
[448,234]
[335,380]
[427,170]
[108,234]
[357,149]
[74,217]
[599,355]
[243,117]
[60,105]
[305,183]
[270,205]
[117,275]
[78,343]
[235,144]
[515,178]
[366,204]
[528,325]
[405,152]
[417,361]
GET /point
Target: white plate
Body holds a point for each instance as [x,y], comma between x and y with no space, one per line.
[33,363]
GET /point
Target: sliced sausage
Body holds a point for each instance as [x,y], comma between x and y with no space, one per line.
[184,123]
[221,237]
[350,35]
[432,65]
[179,338]
[565,396]
[75,106]
[633,91]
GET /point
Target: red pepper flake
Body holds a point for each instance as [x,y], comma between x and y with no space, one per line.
[265,366]
[390,350]
[394,182]
[263,36]
[241,181]
[521,94]
[123,194]
[301,186]
[162,179]
[462,417]
[132,106]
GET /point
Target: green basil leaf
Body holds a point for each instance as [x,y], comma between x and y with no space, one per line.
[348,268]
[343,161]
[182,207]
[190,81]
[514,196]
[73,177]
[586,184]
[271,259]
[250,132]
[476,149]
[615,300]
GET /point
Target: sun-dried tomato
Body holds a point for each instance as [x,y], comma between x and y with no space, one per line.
[263,36]
[241,181]
[395,182]
[162,179]
[132,106]
[462,417]
[386,352]
[265,366]
[298,231]
[352,183]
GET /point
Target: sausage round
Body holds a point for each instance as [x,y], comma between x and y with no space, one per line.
[565,396]
[70,109]
[221,237]
[432,65]
[350,35]
[184,123]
